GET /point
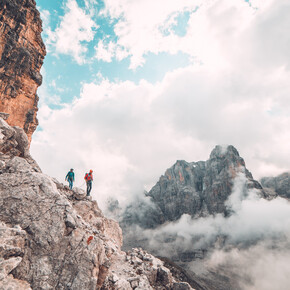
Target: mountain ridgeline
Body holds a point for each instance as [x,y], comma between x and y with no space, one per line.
[198,189]
[198,209]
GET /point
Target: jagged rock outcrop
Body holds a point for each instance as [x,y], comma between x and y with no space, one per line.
[278,186]
[12,244]
[141,271]
[63,250]
[21,56]
[52,237]
[197,189]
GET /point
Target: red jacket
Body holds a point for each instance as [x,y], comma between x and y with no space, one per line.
[89,177]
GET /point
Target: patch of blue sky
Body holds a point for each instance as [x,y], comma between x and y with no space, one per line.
[64,77]
[154,69]
[180,28]
[179,23]
[55,9]
[51,5]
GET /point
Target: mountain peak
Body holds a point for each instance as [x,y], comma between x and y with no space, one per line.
[221,151]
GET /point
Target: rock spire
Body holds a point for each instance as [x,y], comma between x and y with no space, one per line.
[21,56]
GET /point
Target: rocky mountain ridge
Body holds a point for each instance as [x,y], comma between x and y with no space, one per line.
[55,238]
[198,189]
[278,186]
[21,56]
[183,215]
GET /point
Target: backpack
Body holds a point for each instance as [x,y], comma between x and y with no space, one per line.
[88,177]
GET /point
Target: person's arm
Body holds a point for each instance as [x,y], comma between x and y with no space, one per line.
[66,177]
[73,176]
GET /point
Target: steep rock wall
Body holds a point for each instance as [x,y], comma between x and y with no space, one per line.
[21,56]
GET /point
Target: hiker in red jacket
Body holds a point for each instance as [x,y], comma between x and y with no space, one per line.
[89,181]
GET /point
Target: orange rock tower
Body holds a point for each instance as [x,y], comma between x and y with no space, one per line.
[21,56]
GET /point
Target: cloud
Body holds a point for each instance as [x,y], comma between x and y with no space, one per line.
[209,34]
[131,132]
[106,51]
[252,246]
[253,219]
[74,32]
[263,266]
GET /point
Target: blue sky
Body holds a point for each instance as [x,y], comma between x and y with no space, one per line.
[132,86]
[64,76]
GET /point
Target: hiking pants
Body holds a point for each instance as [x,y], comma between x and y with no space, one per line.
[70,183]
[89,187]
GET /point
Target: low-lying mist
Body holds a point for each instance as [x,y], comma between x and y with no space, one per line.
[252,244]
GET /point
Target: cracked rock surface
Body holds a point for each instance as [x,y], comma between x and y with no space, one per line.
[68,240]
[21,56]
[52,237]
[12,243]
[139,270]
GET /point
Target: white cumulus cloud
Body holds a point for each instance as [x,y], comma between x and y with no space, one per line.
[74,32]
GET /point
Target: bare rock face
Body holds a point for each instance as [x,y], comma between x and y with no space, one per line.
[12,243]
[63,249]
[21,56]
[278,186]
[141,271]
[198,189]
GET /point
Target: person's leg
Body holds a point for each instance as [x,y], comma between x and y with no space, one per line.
[70,182]
[89,187]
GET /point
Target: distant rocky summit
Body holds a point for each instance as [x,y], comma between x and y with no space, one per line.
[189,192]
[198,189]
[278,186]
[21,56]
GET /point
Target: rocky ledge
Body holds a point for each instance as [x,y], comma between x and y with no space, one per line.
[56,238]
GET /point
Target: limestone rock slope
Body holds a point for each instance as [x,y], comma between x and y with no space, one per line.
[55,238]
[141,271]
[197,189]
[21,56]
[12,243]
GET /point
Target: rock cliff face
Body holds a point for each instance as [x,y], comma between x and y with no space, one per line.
[55,238]
[198,189]
[279,185]
[21,57]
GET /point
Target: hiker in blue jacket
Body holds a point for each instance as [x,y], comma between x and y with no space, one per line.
[70,177]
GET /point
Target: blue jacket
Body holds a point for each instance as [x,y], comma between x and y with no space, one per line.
[70,176]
